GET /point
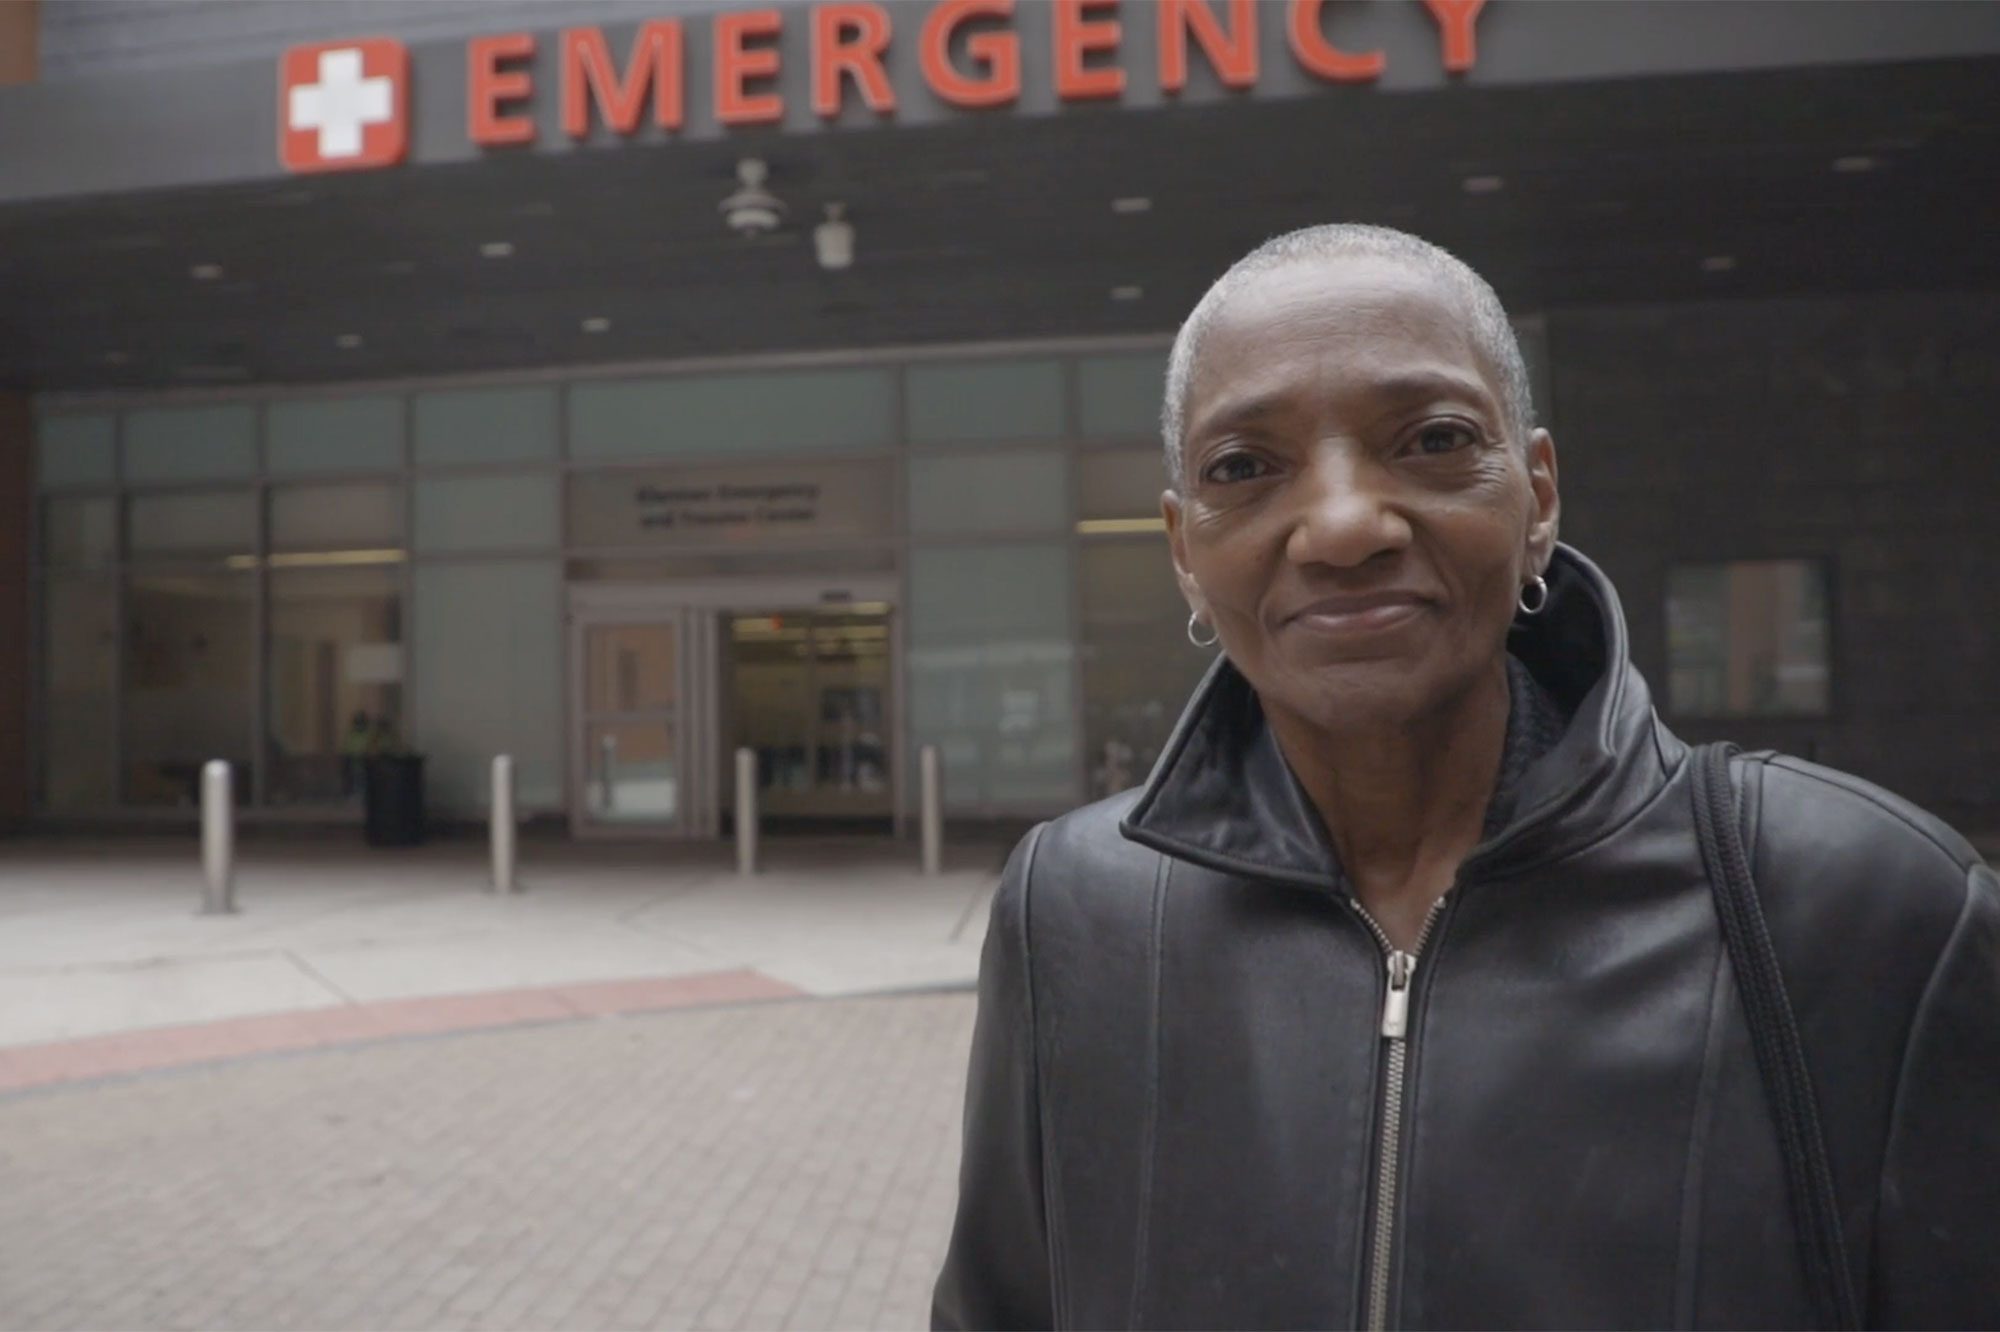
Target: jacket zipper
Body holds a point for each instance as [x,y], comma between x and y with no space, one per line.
[1401,967]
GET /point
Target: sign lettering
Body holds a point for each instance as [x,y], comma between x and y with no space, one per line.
[969,55]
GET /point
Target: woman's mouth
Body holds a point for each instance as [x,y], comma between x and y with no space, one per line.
[1358,615]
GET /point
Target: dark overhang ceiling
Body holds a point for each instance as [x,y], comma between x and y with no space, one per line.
[1697,187]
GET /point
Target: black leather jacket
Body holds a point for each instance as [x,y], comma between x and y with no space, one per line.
[1182,1103]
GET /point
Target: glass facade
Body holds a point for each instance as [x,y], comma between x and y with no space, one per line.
[189,638]
[283,582]
[80,661]
[991,672]
[487,677]
[809,694]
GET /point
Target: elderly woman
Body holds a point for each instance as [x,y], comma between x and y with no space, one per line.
[1430,981]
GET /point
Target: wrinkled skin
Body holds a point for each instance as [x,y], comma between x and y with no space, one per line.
[1344,439]
[1357,524]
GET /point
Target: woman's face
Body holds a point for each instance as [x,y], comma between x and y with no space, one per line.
[1353,517]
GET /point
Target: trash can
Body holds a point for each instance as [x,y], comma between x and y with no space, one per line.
[393,799]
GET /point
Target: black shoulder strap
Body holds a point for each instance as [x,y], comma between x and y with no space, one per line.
[1775,1035]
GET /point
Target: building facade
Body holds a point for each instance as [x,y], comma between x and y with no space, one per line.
[498,386]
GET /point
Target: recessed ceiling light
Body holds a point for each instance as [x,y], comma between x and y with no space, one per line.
[497,249]
[348,341]
[597,324]
[1132,203]
[1856,162]
[205,272]
[116,358]
[1718,263]
[1484,184]
[1127,293]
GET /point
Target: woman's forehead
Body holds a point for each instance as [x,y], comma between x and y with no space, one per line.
[1358,318]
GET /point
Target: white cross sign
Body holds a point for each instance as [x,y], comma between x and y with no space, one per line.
[342,104]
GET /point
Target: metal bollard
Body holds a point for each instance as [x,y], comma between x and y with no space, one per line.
[746,811]
[607,765]
[218,839]
[503,824]
[931,781]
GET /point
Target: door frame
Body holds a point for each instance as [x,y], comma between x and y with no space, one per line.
[695,607]
[693,721]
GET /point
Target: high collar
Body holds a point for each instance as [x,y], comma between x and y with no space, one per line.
[1222,795]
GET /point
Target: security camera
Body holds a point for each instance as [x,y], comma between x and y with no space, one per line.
[752,210]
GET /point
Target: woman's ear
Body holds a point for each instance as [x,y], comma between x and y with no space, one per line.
[1170,510]
[1545,519]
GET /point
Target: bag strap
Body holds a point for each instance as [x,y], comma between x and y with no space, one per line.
[1774,1033]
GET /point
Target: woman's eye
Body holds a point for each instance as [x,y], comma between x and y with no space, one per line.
[1443,438]
[1235,467]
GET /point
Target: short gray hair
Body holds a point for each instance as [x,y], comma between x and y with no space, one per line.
[1492,333]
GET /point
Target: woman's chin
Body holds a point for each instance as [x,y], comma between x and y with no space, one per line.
[1389,692]
[1364,695]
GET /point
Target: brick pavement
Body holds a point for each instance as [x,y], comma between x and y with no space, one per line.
[147,1049]
[786,1164]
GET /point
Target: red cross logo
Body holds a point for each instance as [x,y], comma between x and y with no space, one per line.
[344,106]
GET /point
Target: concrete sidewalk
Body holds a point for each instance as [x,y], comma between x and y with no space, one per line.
[103,938]
[382,1097]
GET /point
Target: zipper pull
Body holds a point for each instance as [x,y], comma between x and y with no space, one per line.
[1396,1003]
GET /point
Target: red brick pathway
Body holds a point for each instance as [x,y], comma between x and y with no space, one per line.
[169,1047]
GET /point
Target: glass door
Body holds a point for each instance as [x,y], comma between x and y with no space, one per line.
[809,691]
[643,708]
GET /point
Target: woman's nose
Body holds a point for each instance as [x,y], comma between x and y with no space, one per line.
[1345,513]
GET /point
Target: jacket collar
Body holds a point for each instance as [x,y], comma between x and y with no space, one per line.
[1222,795]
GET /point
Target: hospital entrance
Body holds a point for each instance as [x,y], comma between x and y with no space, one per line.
[671,681]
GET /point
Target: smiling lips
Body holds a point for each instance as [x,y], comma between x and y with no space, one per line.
[1359,614]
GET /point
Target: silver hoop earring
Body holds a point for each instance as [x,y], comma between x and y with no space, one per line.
[1540,587]
[1194,622]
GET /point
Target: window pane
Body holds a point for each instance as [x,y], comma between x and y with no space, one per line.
[771,504]
[335,678]
[632,777]
[1004,492]
[1747,639]
[188,670]
[190,443]
[770,412]
[365,518]
[486,426]
[1120,395]
[990,673]
[80,637]
[487,513]
[207,524]
[486,656]
[630,668]
[335,435]
[79,533]
[75,451]
[1007,400]
[769,678]
[1138,667]
[1120,485]
[808,693]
